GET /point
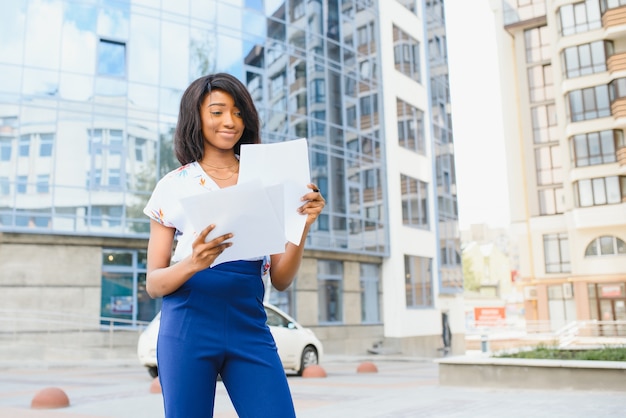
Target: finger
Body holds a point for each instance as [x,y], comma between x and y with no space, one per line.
[203,234]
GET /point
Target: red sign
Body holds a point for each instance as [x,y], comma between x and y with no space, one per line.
[610,291]
[490,315]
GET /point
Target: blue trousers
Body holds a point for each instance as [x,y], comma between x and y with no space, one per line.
[216,323]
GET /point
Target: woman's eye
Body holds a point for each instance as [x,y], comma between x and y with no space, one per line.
[216,113]
[238,114]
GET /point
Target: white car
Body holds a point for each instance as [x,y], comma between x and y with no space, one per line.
[298,347]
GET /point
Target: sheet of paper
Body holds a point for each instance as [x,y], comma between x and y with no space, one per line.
[247,211]
[285,163]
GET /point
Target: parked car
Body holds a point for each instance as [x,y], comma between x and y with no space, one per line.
[298,347]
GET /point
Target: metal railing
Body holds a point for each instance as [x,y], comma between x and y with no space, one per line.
[42,326]
[504,335]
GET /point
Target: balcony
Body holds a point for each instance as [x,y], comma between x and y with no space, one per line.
[614,17]
[621,156]
[616,62]
[618,108]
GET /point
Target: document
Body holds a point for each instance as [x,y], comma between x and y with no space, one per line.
[285,163]
[247,211]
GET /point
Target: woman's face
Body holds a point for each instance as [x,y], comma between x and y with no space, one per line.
[222,124]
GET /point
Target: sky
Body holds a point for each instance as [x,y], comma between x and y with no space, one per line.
[476,117]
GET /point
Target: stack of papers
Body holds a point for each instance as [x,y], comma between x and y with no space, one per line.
[261,210]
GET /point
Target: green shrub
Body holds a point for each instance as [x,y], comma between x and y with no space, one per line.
[543,352]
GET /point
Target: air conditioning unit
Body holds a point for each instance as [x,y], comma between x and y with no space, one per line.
[568,291]
[530,293]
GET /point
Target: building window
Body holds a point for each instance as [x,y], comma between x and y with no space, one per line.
[410,4]
[548,165]
[556,253]
[5,150]
[414,202]
[540,83]
[411,127]
[600,191]
[123,296]
[544,123]
[111,58]
[418,281]
[406,54]
[21,184]
[561,305]
[5,187]
[370,307]
[579,17]
[330,295]
[589,103]
[537,44]
[24,146]
[43,183]
[605,245]
[551,201]
[285,300]
[318,87]
[596,147]
[45,145]
[585,59]
[297,9]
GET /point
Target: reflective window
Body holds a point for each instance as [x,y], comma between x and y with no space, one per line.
[414,202]
[330,291]
[411,127]
[46,141]
[605,245]
[596,147]
[589,103]
[112,58]
[581,60]
[406,53]
[582,16]
[43,183]
[124,299]
[370,294]
[5,149]
[600,191]
[418,281]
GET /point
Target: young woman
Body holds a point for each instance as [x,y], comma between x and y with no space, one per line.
[212,319]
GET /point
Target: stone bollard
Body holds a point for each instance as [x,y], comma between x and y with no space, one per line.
[50,398]
[314,370]
[155,386]
[367,367]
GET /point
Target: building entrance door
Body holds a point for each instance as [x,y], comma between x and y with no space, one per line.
[613,317]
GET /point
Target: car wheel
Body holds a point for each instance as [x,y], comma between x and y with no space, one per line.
[153,371]
[309,358]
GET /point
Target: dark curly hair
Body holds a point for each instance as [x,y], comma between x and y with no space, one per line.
[188,138]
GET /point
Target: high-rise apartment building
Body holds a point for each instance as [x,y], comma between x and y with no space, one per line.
[563,66]
[89,98]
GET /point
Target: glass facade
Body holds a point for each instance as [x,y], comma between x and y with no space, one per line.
[90,91]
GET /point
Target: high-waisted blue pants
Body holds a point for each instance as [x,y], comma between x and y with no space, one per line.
[216,323]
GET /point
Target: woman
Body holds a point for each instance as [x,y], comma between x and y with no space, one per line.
[212,319]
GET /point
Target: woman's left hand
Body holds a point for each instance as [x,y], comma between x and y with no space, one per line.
[314,204]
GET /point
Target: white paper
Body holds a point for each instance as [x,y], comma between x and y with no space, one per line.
[247,211]
[285,163]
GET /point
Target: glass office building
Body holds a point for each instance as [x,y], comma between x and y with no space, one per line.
[89,97]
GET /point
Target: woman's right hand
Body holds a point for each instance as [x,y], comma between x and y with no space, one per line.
[204,253]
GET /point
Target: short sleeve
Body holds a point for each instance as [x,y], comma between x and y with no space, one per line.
[157,207]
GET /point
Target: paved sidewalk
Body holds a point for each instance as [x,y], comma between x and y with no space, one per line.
[403,387]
